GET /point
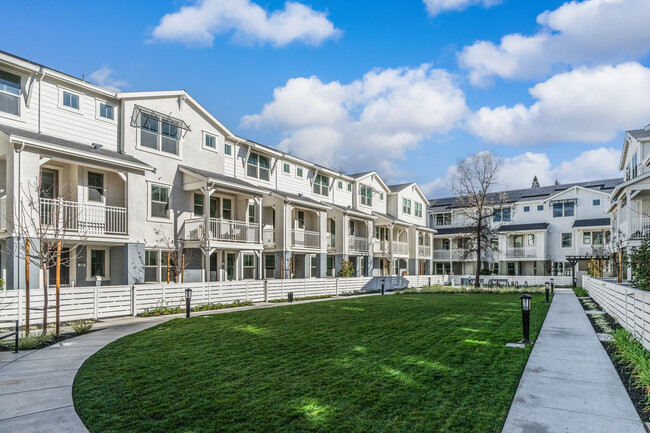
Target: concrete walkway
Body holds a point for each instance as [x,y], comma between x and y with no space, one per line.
[36,385]
[570,384]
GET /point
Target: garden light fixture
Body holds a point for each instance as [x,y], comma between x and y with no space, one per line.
[546,289]
[525,317]
[383,280]
[552,285]
[188,298]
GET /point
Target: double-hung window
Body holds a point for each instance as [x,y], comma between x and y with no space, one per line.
[157,135]
[159,201]
[251,213]
[418,209]
[531,240]
[497,216]
[301,219]
[597,238]
[70,100]
[227,149]
[339,184]
[286,168]
[249,266]
[198,203]
[406,206]
[169,138]
[635,165]
[321,185]
[505,214]
[9,93]
[95,186]
[150,266]
[227,209]
[563,209]
[443,219]
[258,166]
[149,132]
[298,172]
[106,111]
[366,195]
[98,263]
[210,141]
[567,240]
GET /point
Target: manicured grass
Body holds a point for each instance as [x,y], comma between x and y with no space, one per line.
[409,363]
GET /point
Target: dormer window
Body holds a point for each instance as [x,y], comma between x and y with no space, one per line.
[9,93]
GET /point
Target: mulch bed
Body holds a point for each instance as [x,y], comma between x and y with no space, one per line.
[589,304]
[636,394]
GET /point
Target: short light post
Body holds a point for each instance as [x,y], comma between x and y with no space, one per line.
[429,281]
[525,317]
[290,297]
[383,280]
[546,284]
[552,285]
[188,299]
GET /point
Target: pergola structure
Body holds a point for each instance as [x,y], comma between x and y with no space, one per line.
[573,260]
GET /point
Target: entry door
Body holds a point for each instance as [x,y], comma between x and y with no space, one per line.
[49,190]
[65,269]
[230,266]
[214,207]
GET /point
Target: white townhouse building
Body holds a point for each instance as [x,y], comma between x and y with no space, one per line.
[630,204]
[537,229]
[132,174]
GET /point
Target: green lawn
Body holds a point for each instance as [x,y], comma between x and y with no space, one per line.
[407,363]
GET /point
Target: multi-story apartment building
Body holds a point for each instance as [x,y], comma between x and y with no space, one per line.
[630,205]
[536,228]
[129,176]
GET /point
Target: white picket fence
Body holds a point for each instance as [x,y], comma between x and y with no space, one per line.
[628,306]
[112,301]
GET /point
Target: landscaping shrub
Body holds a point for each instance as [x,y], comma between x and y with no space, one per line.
[580,292]
[163,310]
[468,289]
[304,298]
[82,326]
[640,262]
[347,269]
[630,353]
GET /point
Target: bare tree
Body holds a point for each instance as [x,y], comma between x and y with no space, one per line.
[43,222]
[615,249]
[177,255]
[473,182]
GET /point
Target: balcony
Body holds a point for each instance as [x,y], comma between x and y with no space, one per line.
[521,253]
[222,230]
[400,248]
[84,218]
[268,237]
[424,251]
[305,239]
[357,244]
[380,247]
[639,228]
[448,255]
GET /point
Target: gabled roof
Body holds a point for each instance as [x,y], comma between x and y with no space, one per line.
[523,227]
[399,187]
[529,194]
[453,230]
[72,147]
[592,222]
[362,174]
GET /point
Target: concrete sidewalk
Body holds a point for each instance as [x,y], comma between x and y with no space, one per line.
[570,384]
[36,385]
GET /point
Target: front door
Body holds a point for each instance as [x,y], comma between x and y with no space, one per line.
[64,273]
[214,207]
[230,266]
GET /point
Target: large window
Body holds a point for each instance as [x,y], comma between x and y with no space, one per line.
[406,206]
[159,201]
[150,266]
[156,136]
[198,203]
[249,266]
[443,219]
[95,186]
[321,185]
[70,100]
[564,209]
[9,93]
[258,166]
[502,215]
[98,263]
[418,209]
[567,240]
[366,195]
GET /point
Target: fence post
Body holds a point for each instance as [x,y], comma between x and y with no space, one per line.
[133,300]
[247,288]
[304,288]
[96,303]
[336,289]
[282,288]
[266,290]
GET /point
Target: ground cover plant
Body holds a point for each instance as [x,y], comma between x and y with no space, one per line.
[580,292]
[409,363]
[167,308]
[469,289]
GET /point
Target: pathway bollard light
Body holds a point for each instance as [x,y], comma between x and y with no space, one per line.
[429,281]
[552,285]
[383,280]
[290,297]
[525,317]
[546,284]
[188,298]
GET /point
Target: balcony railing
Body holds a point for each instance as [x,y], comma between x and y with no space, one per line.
[268,236]
[331,241]
[83,218]
[521,252]
[305,239]
[400,248]
[424,250]
[380,247]
[222,230]
[448,254]
[357,244]
[639,228]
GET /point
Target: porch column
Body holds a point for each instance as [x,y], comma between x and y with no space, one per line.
[206,232]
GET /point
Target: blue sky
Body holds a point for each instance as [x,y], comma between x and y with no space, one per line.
[406,88]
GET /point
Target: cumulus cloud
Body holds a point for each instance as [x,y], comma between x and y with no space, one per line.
[198,24]
[367,124]
[577,33]
[103,77]
[518,171]
[435,7]
[585,105]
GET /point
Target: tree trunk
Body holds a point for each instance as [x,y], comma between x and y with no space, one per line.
[44,296]
[477,281]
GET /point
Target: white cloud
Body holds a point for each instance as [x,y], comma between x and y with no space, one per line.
[367,124]
[103,77]
[518,171]
[198,24]
[588,33]
[435,7]
[584,105]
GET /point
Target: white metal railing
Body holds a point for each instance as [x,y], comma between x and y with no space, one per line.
[521,252]
[357,244]
[331,241]
[305,239]
[639,228]
[449,255]
[268,236]
[424,250]
[380,247]
[84,218]
[400,248]
[234,231]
